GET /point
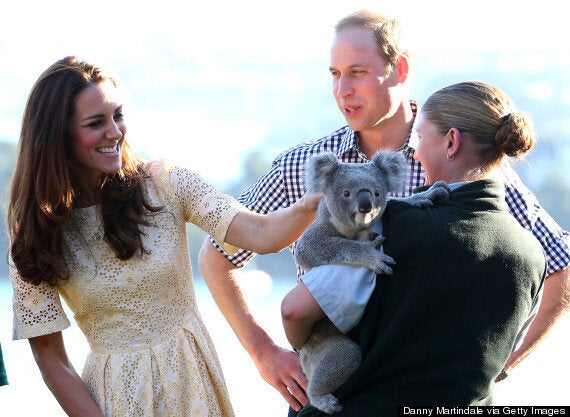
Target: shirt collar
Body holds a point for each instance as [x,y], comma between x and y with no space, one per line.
[409,147]
[348,142]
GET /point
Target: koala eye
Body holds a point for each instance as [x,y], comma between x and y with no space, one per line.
[346,193]
[377,193]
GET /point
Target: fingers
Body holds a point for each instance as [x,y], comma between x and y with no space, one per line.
[281,370]
[294,394]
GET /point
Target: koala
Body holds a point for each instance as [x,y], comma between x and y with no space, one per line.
[354,196]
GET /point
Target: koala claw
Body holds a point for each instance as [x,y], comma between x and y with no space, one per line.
[377,241]
[327,403]
[382,266]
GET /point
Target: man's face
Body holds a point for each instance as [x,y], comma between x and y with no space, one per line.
[363,82]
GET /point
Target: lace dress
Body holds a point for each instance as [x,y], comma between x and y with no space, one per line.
[150,352]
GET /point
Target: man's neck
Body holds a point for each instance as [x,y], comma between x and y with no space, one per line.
[392,138]
[388,134]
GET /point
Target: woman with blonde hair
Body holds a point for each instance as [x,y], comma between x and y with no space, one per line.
[467,279]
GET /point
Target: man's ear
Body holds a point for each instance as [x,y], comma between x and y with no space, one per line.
[403,68]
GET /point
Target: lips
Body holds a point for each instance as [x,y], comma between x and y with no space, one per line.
[350,110]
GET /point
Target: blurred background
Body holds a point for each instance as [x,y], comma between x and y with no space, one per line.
[224,87]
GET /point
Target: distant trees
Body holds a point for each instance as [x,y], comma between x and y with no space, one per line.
[7,164]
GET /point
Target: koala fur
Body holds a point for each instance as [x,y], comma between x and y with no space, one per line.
[354,195]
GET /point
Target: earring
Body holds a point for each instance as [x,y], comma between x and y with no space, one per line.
[450,157]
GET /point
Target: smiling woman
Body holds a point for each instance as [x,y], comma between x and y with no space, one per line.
[96,135]
[106,230]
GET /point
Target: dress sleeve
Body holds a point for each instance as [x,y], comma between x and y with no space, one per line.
[37,309]
[201,203]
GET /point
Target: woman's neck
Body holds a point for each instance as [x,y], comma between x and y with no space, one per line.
[87,196]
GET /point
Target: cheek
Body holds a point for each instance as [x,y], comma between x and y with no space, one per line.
[123,128]
[419,153]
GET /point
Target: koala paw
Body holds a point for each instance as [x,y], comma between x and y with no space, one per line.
[438,191]
[377,241]
[382,264]
[327,403]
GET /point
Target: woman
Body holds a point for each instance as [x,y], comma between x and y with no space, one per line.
[467,276]
[93,223]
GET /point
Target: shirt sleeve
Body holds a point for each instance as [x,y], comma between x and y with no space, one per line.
[265,196]
[37,309]
[524,206]
[342,291]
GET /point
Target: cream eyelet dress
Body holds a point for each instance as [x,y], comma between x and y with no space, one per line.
[150,352]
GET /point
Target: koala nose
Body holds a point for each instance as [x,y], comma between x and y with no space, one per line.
[364,200]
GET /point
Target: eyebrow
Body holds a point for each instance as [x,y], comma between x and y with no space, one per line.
[98,116]
[350,66]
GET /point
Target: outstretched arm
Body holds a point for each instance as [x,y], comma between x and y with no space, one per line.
[274,231]
[555,303]
[61,378]
[277,366]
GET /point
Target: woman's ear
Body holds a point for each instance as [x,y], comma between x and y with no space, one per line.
[453,138]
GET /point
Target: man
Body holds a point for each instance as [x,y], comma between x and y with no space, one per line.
[369,68]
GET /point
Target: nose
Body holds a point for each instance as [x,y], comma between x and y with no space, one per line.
[114,132]
[364,200]
[342,86]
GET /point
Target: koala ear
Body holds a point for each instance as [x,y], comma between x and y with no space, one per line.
[393,166]
[319,168]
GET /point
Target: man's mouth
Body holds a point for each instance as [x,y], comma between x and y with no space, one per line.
[350,110]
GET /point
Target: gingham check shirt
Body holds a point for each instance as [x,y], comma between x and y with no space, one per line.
[283,184]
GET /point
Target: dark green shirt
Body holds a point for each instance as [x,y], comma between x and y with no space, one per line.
[440,329]
[3,377]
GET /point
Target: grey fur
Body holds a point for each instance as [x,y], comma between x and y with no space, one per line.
[329,357]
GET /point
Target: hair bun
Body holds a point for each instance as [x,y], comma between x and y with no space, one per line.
[516,135]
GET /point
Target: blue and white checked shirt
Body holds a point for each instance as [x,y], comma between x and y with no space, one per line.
[283,184]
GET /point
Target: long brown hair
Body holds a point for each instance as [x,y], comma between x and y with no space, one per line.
[42,193]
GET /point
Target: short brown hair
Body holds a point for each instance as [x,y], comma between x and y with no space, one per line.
[387,32]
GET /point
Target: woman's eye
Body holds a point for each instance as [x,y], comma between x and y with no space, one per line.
[95,123]
[119,116]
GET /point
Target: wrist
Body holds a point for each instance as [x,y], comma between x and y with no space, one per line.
[261,348]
